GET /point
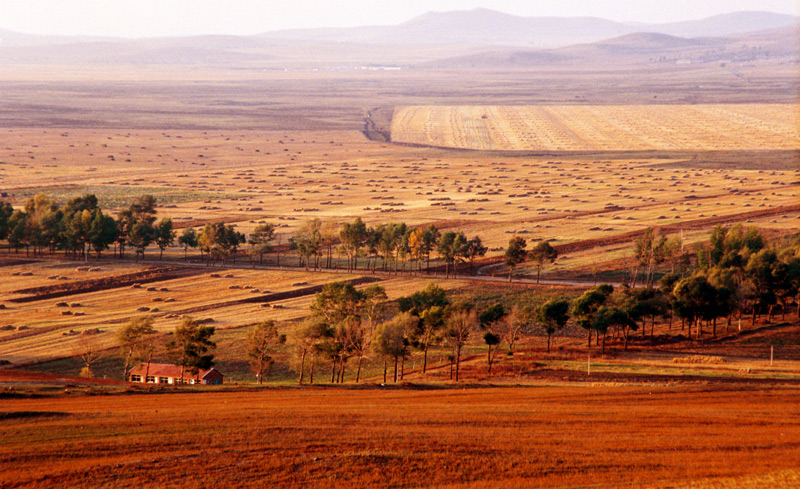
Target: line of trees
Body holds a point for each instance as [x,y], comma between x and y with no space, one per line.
[737,272]
[385,245]
[346,323]
[80,226]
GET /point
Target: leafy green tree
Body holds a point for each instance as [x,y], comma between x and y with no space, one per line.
[339,305]
[220,241]
[697,300]
[586,306]
[491,320]
[308,242]
[451,247]
[430,241]
[428,305]
[6,209]
[337,301]
[233,239]
[353,237]
[610,316]
[392,341]
[191,346]
[553,316]
[765,272]
[102,231]
[515,254]
[542,254]
[141,236]
[164,235]
[261,340]
[188,239]
[17,236]
[474,249]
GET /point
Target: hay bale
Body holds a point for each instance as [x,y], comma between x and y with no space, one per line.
[22,328]
[214,275]
[66,313]
[698,359]
[169,299]
[62,304]
[136,286]
[163,289]
[152,289]
[143,309]
[75,304]
[157,299]
[7,327]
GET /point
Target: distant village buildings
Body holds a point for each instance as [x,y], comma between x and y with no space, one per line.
[162,373]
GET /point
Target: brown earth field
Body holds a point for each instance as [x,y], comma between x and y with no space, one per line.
[598,436]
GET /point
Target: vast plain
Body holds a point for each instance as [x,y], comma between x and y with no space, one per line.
[585,154]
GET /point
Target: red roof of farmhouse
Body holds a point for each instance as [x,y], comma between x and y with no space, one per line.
[168,370]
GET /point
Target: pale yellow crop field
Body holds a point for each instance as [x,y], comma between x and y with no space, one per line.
[601,128]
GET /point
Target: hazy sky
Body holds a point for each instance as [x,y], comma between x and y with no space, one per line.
[144,18]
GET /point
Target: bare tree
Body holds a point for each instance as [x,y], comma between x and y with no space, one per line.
[89,350]
[133,340]
[459,326]
[260,341]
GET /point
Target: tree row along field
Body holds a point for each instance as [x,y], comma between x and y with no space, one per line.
[247,178]
[600,436]
[600,128]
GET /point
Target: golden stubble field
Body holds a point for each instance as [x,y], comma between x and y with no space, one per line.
[699,127]
[288,177]
[598,436]
[39,328]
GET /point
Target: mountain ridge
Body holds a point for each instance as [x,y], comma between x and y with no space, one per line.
[476,26]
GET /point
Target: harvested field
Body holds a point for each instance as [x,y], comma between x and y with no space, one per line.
[518,437]
[600,128]
[40,331]
[156,274]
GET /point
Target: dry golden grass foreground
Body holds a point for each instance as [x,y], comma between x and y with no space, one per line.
[600,128]
[600,437]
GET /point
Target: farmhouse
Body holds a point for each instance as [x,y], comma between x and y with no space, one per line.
[162,373]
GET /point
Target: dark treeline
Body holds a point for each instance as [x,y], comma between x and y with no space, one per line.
[80,226]
[738,272]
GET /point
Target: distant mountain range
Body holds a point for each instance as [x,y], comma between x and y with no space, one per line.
[483,26]
[458,39]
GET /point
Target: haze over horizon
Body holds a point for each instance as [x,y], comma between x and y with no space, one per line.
[155,18]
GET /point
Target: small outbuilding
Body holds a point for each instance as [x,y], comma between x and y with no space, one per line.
[164,373]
